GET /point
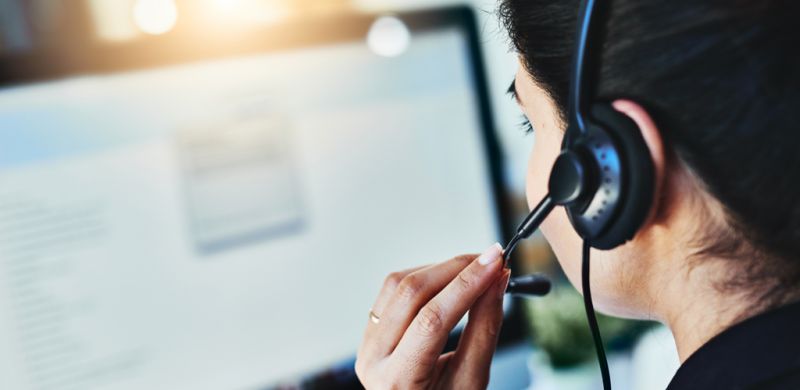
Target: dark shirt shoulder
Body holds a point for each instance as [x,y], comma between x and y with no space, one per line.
[762,352]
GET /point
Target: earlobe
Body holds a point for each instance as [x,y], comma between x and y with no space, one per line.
[655,143]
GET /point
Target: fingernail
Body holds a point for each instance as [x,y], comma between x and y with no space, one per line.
[490,255]
[504,283]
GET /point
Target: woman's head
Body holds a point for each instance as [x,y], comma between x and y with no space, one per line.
[713,86]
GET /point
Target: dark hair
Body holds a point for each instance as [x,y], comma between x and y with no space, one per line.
[721,79]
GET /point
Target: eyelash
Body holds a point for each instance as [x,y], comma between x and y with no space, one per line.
[526,125]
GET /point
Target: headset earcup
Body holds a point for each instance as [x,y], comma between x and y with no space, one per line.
[637,164]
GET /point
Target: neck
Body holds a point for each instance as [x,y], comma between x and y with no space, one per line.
[685,298]
[684,293]
[698,313]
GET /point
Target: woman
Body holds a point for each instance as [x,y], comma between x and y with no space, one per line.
[713,87]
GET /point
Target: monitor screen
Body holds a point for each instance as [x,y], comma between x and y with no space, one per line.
[227,223]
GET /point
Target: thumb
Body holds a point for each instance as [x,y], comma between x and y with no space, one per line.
[473,357]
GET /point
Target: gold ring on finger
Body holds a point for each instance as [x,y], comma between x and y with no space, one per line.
[374,317]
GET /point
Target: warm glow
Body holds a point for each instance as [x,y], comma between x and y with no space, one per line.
[251,11]
[112,19]
[388,37]
[155,16]
[226,5]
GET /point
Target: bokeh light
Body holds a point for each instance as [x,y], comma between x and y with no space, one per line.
[155,16]
[388,37]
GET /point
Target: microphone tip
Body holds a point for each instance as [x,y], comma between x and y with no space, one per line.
[533,285]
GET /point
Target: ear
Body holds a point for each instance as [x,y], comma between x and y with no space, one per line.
[655,143]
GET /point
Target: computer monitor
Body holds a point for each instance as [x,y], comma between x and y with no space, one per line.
[221,216]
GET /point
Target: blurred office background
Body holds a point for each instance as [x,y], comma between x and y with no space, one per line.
[203,194]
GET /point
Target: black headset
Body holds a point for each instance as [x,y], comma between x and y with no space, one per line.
[604,176]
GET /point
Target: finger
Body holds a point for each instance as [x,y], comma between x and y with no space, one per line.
[387,290]
[422,343]
[473,356]
[413,292]
[441,369]
[389,286]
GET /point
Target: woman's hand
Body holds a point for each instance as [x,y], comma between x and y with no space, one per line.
[415,311]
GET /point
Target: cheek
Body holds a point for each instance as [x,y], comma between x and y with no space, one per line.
[564,241]
[544,153]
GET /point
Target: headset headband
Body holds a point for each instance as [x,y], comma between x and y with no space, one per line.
[584,62]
